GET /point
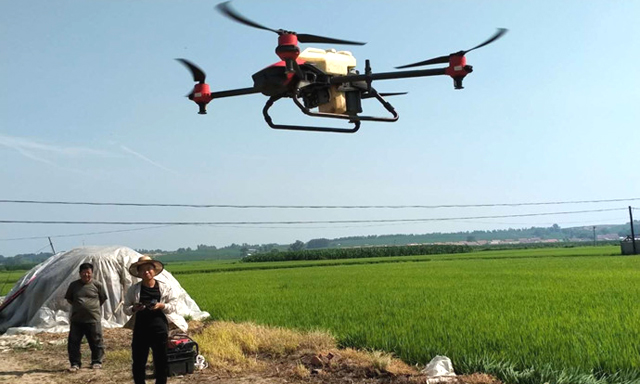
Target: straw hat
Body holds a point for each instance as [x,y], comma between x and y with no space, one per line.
[157,265]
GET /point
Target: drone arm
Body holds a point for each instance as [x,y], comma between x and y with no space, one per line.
[202,96]
[388,75]
[234,92]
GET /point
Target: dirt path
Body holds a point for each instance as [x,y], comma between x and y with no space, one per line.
[13,369]
[35,367]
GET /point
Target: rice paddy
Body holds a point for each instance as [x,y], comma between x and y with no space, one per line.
[549,315]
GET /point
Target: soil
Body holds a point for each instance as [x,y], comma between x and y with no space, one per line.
[47,364]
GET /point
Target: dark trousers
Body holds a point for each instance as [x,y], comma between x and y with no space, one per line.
[140,345]
[93,333]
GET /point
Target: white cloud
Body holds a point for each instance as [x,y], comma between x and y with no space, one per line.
[146,159]
[27,146]
[39,152]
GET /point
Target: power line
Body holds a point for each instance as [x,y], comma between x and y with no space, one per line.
[298,222]
[46,246]
[312,206]
[275,227]
[85,234]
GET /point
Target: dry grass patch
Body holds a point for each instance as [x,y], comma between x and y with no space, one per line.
[119,357]
[227,345]
[301,371]
[234,347]
[372,363]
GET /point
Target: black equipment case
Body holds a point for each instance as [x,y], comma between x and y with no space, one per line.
[181,355]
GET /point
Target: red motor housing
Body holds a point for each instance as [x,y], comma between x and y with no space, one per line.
[287,48]
[201,95]
[458,69]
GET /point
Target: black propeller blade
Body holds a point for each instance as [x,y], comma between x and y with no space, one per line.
[307,38]
[198,74]
[445,59]
[225,9]
[496,36]
[383,94]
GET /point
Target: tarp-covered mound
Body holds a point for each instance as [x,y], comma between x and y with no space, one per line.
[37,303]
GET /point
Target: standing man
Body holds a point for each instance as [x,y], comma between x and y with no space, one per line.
[86,296]
[152,305]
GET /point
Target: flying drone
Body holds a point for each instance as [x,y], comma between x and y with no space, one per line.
[323,83]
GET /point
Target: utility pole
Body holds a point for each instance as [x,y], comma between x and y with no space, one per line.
[594,235]
[633,235]
[51,244]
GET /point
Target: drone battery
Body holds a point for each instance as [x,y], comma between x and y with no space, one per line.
[337,102]
[181,356]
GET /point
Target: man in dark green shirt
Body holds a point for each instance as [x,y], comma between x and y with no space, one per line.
[86,296]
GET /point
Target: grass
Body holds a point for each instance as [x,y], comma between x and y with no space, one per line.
[8,279]
[528,316]
[119,357]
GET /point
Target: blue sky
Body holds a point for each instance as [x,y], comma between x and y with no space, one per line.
[93,109]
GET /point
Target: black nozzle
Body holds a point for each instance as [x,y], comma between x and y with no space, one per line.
[203,109]
[353,101]
[457,82]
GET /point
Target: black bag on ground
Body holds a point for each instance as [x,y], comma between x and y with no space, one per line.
[181,355]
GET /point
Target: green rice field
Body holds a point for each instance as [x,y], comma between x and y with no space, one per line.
[528,316]
[8,280]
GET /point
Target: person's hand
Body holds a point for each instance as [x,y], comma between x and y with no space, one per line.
[138,307]
[158,306]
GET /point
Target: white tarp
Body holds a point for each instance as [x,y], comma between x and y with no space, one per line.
[41,305]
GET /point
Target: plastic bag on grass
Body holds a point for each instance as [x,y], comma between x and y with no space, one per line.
[439,370]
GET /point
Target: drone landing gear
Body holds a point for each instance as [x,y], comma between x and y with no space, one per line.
[269,120]
[355,119]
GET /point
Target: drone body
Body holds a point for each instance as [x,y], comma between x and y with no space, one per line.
[323,83]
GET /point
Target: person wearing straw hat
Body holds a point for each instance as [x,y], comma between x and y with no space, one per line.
[152,307]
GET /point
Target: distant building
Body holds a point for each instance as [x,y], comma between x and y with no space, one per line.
[626,246]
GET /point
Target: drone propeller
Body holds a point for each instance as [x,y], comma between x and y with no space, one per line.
[383,94]
[445,59]
[200,94]
[198,74]
[225,9]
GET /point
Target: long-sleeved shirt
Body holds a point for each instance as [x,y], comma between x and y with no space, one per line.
[85,300]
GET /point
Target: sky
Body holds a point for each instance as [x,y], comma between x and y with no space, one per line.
[92,109]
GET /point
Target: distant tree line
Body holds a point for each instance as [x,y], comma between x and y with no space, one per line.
[552,232]
[354,253]
[564,244]
[237,251]
[210,252]
[22,261]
